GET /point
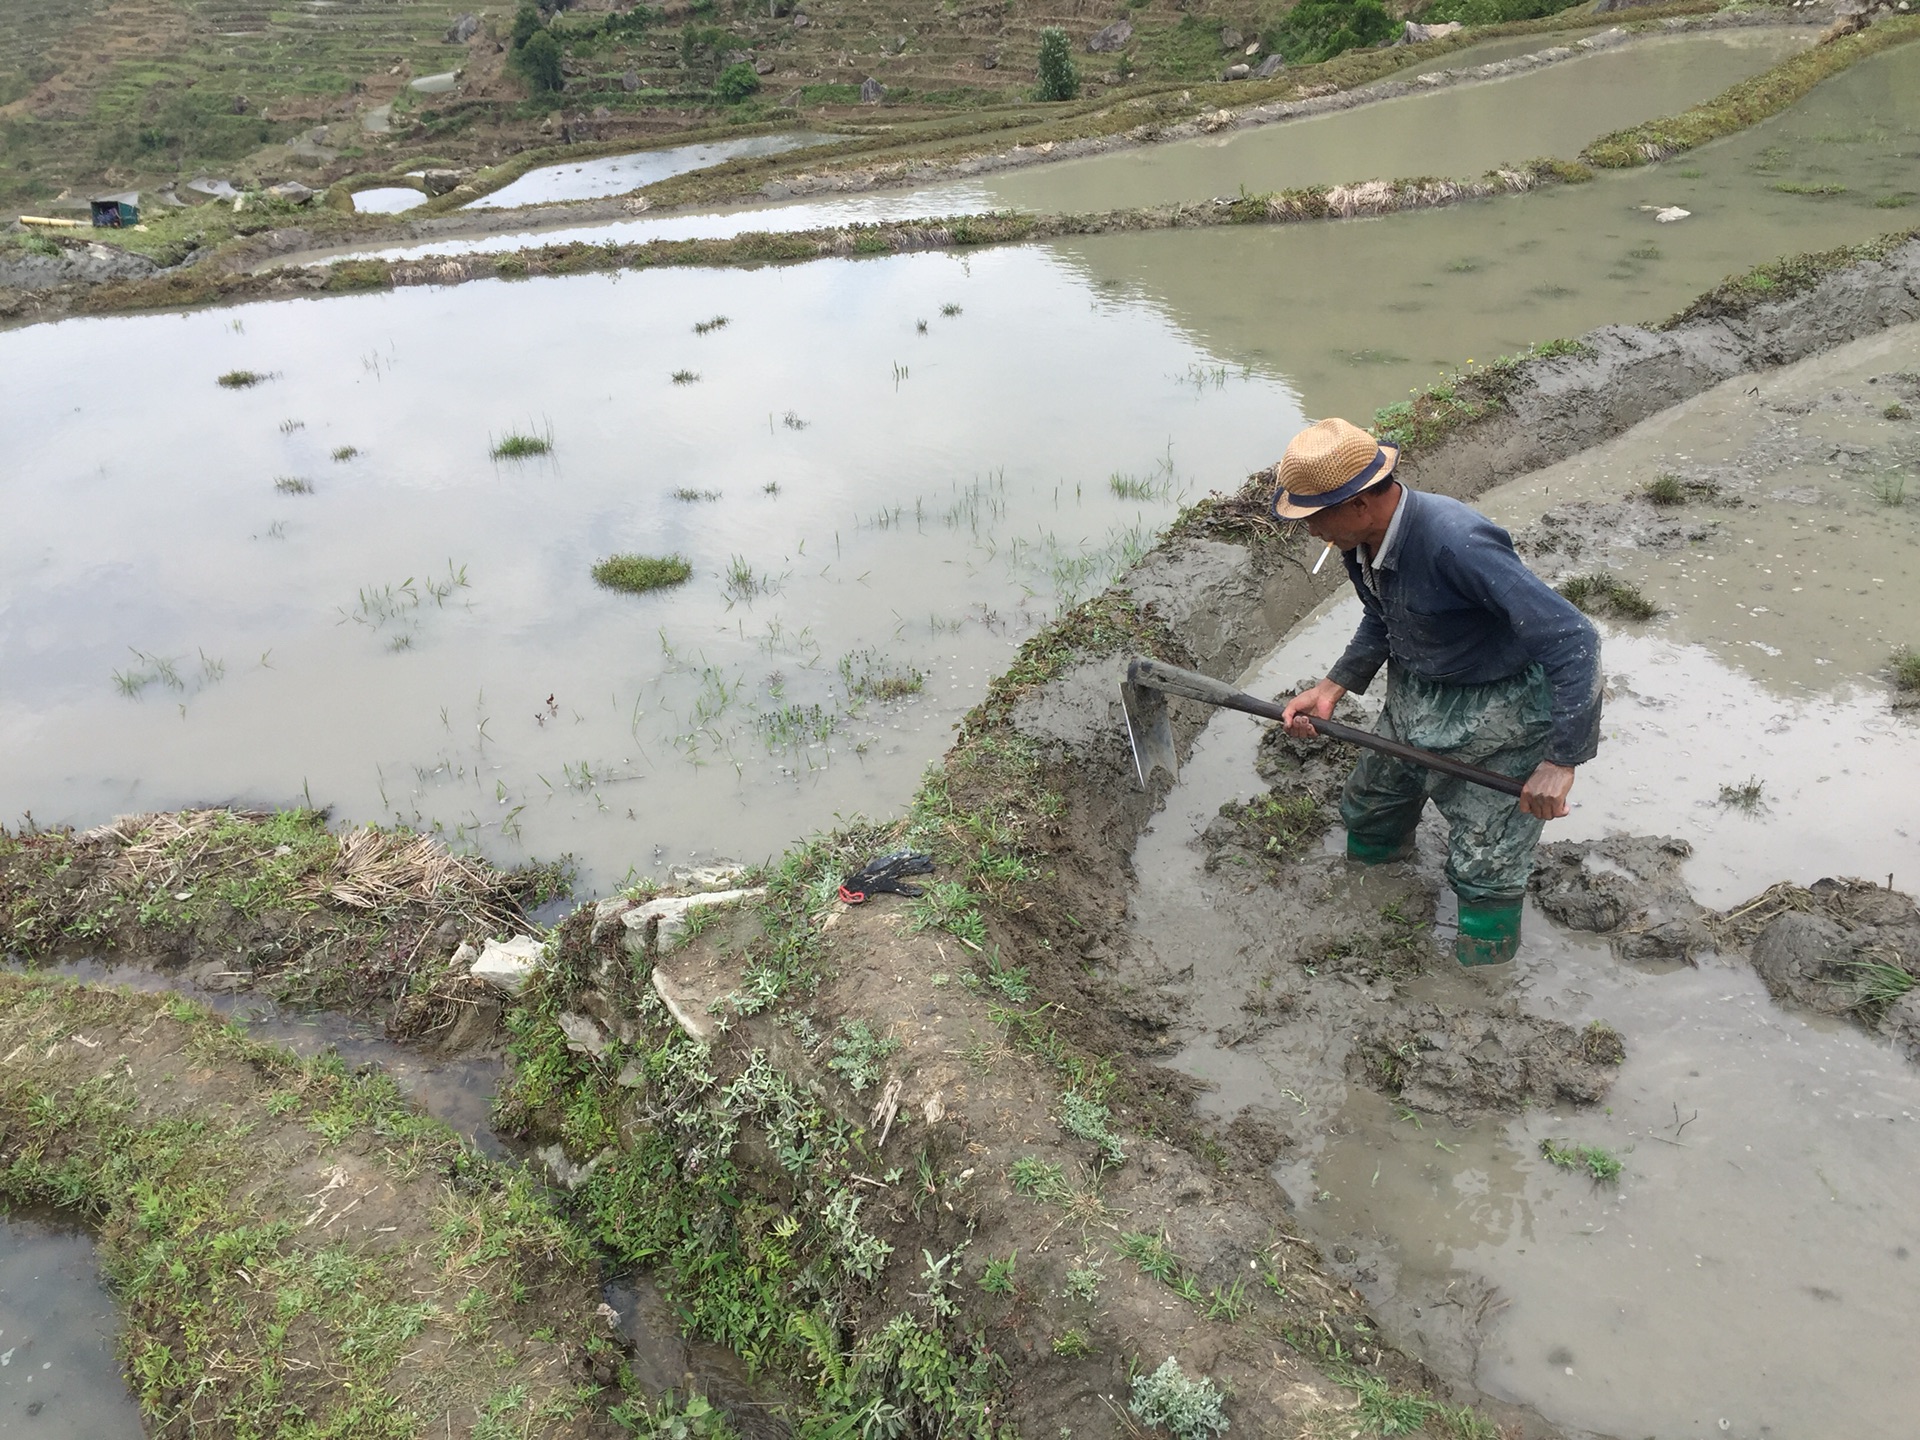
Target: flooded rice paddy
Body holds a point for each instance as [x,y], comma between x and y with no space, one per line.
[883,477]
[617,174]
[1750,1274]
[59,1374]
[387,199]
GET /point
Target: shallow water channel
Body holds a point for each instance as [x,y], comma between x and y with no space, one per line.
[1751,1273]
[617,174]
[59,1376]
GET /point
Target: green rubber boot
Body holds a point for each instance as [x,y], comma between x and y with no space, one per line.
[1378,852]
[1489,932]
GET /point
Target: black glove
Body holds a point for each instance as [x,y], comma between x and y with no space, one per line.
[882,875]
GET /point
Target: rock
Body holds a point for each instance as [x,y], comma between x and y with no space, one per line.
[1270,67]
[439,182]
[565,1171]
[630,81]
[203,188]
[1231,39]
[800,21]
[508,963]
[463,958]
[657,924]
[584,1035]
[1105,42]
[1795,952]
[763,67]
[292,191]
[721,875]
[685,1015]
[607,913]
[463,30]
[1218,120]
[1671,214]
[872,92]
[1236,72]
[1416,33]
[989,62]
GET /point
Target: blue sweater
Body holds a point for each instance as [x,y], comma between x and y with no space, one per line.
[1455,604]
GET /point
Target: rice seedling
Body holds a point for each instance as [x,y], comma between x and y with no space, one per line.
[1608,596]
[287,427]
[772,487]
[793,727]
[707,327]
[871,676]
[638,574]
[1601,1164]
[1644,252]
[793,421]
[900,373]
[687,492]
[685,377]
[920,327]
[345,452]
[242,379]
[293,485]
[1130,487]
[1878,982]
[1893,202]
[1751,795]
[1818,191]
[950,310]
[1896,411]
[1906,668]
[1890,489]
[742,582]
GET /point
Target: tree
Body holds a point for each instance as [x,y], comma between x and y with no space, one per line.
[736,82]
[539,63]
[525,22]
[1316,30]
[1059,78]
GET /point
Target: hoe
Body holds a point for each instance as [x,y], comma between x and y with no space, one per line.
[1143,695]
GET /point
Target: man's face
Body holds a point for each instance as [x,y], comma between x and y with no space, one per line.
[1347,524]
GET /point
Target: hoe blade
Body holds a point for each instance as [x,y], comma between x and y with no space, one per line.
[1149,731]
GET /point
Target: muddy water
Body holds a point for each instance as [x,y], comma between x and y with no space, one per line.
[59,1376]
[1751,1273]
[1359,312]
[617,174]
[1459,131]
[419,637]
[387,199]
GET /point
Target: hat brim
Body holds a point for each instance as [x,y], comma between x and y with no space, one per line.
[1288,506]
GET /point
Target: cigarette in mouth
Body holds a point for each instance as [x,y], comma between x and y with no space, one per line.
[1322,560]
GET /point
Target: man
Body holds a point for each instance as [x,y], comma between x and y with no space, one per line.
[1485,663]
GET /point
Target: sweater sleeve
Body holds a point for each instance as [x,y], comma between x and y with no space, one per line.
[1483,565]
[1368,649]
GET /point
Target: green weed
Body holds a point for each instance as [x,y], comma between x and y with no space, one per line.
[1787,187]
[242,379]
[345,452]
[871,676]
[1878,983]
[1896,411]
[1750,795]
[640,573]
[688,493]
[948,905]
[950,310]
[1666,490]
[1889,489]
[1383,1411]
[1086,1119]
[1601,1164]
[1041,1179]
[707,327]
[1083,1282]
[293,485]
[1072,1343]
[1189,1409]
[998,1278]
[685,377]
[857,1054]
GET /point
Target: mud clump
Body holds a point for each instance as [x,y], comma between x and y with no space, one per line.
[1462,1062]
[1626,887]
[1584,531]
[1842,947]
[1306,777]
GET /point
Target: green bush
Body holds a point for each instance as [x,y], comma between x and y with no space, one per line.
[538,62]
[1316,30]
[1491,12]
[1059,77]
[525,23]
[736,83]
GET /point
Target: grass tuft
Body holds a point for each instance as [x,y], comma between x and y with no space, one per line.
[521,447]
[638,574]
[293,485]
[242,379]
[1609,596]
[707,327]
[345,452]
[1666,490]
[685,377]
[1749,796]
[687,492]
[1906,669]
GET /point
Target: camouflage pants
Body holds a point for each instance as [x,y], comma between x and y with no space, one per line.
[1502,726]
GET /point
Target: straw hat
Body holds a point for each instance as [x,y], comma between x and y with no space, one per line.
[1326,464]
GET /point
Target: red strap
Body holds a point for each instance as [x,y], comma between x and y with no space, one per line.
[852,897]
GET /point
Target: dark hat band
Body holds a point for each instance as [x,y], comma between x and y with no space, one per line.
[1382,460]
